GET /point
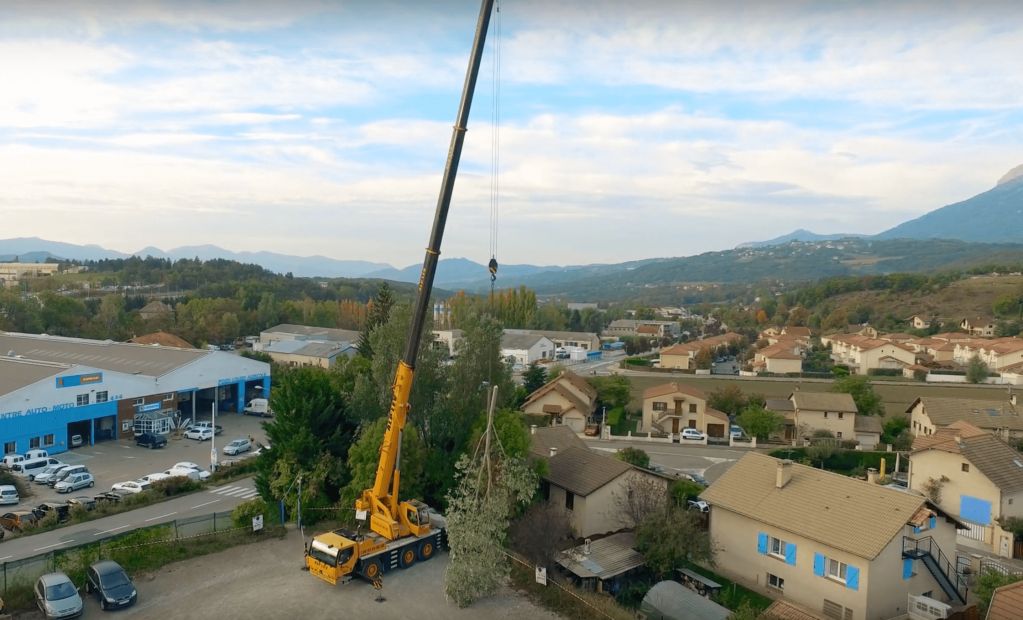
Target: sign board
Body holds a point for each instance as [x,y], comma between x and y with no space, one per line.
[79,380]
[361,515]
[257,523]
[541,575]
[149,407]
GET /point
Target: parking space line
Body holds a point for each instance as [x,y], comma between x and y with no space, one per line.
[161,516]
[54,545]
[120,527]
[205,504]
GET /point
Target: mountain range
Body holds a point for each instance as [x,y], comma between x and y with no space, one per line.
[983,229]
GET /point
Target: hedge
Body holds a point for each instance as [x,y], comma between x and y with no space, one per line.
[842,461]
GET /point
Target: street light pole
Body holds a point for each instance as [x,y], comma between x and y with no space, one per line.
[213,437]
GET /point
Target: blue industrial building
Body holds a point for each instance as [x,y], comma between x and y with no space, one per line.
[57,393]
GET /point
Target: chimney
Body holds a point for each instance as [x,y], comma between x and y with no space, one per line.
[586,547]
[872,475]
[554,452]
[784,473]
[532,429]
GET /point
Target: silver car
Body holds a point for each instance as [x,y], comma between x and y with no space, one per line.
[238,446]
[57,597]
[49,473]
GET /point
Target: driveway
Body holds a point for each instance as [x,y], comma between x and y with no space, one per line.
[265,580]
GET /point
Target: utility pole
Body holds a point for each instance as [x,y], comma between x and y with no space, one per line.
[213,437]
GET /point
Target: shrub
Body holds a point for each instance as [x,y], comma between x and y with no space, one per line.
[242,514]
[24,488]
[849,444]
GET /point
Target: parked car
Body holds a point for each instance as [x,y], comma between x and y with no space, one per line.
[187,472]
[185,465]
[217,429]
[36,454]
[258,406]
[238,446]
[57,597]
[62,509]
[698,504]
[151,478]
[63,474]
[737,432]
[30,467]
[151,440]
[692,434]
[111,585]
[48,473]
[129,487]
[83,502]
[18,520]
[75,482]
[201,434]
[697,478]
[8,494]
[109,497]
[77,440]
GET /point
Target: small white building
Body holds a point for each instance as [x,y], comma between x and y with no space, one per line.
[524,349]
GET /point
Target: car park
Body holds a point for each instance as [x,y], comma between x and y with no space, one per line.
[48,473]
[692,434]
[129,487]
[57,597]
[201,434]
[151,440]
[8,494]
[18,520]
[110,584]
[238,446]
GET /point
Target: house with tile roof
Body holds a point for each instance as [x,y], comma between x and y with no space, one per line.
[1000,417]
[683,356]
[567,399]
[979,477]
[784,356]
[162,339]
[999,353]
[671,407]
[155,309]
[829,543]
[978,326]
[593,488]
[865,353]
[834,412]
[546,441]
[1006,603]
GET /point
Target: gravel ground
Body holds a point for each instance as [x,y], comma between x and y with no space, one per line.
[264,580]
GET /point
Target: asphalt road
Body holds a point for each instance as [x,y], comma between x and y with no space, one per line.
[217,499]
[708,461]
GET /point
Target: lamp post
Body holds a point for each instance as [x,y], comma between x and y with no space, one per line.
[213,437]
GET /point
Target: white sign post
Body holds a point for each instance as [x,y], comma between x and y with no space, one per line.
[257,523]
[541,575]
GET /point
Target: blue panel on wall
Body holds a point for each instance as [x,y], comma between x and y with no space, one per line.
[818,564]
[907,568]
[790,553]
[852,578]
[975,510]
[761,543]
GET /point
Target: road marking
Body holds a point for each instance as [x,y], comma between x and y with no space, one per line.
[205,504]
[161,516]
[5,557]
[120,527]
[54,545]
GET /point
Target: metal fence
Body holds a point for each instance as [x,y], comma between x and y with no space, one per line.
[27,570]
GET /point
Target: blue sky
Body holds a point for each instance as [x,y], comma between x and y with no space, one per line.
[628,130]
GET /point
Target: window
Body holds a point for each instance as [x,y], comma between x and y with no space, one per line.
[777,547]
[140,401]
[82,399]
[825,415]
[838,435]
[101,397]
[660,406]
[33,443]
[168,396]
[840,415]
[966,467]
[837,570]
[776,582]
[48,440]
[692,407]
[10,447]
[569,500]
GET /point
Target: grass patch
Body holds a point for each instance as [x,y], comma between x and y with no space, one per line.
[578,607]
[733,595]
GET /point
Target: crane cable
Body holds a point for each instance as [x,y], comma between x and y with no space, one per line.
[495,145]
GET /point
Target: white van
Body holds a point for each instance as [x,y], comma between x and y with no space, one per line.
[258,406]
[29,468]
[9,494]
[9,460]
[36,454]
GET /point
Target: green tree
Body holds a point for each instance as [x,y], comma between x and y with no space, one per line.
[683,490]
[364,455]
[613,391]
[759,422]
[987,583]
[704,358]
[976,370]
[868,402]
[379,311]
[672,537]
[634,456]
[728,399]
[821,449]
[534,378]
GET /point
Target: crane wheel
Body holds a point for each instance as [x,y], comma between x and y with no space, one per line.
[426,550]
[408,557]
[371,570]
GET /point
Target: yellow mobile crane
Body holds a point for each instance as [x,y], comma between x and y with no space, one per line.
[401,532]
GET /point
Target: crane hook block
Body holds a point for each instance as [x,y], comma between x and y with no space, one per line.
[492,266]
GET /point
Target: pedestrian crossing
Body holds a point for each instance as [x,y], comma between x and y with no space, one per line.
[239,492]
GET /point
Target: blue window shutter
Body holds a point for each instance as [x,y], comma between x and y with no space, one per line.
[852,578]
[916,529]
[790,554]
[762,543]
[907,568]
[932,522]
[818,564]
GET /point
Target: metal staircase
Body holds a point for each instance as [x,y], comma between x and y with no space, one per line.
[943,571]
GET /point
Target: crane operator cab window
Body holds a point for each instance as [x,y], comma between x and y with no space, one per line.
[419,515]
[328,554]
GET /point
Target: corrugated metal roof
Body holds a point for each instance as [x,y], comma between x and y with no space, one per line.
[841,512]
[520,341]
[670,600]
[607,558]
[104,354]
[16,373]
[312,332]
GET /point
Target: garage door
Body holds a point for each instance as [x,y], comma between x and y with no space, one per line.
[716,430]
